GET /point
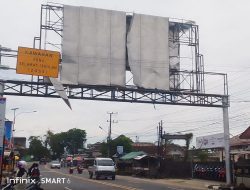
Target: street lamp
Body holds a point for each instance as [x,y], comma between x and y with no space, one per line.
[14,121]
[108,141]
[16,115]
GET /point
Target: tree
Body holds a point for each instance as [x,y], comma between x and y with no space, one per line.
[72,140]
[57,144]
[202,155]
[75,138]
[37,149]
[48,137]
[122,140]
[189,136]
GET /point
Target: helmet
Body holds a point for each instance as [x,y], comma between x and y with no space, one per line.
[21,164]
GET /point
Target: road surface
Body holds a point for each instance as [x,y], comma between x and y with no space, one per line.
[60,179]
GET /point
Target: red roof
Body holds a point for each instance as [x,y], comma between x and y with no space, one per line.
[245,134]
[236,141]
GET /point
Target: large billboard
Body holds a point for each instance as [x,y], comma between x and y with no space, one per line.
[210,141]
[37,62]
[96,46]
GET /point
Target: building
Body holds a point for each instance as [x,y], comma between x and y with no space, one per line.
[95,149]
[19,142]
[240,145]
[169,151]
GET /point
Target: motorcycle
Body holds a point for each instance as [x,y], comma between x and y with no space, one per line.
[71,170]
[35,185]
[79,169]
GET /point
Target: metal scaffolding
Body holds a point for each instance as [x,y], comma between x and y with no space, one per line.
[188,86]
[117,94]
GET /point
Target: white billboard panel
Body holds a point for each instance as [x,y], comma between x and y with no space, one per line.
[210,141]
[148,51]
[94,46]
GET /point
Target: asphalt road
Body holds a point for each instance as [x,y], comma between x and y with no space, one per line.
[60,179]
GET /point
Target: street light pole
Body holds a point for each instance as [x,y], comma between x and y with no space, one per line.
[14,121]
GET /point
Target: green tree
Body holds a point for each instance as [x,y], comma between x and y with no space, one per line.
[202,155]
[72,140]
[75,138]
[122,140]
[57,144]
[49,134]
[37,149]
[189,137]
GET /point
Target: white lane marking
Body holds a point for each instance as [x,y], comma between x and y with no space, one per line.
[67,188]
[175,188]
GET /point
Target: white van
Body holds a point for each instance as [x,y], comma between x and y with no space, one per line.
[103,167]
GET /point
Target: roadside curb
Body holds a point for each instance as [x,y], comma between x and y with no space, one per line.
[220,187]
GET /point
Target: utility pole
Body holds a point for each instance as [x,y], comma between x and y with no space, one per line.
[226,139]
[110,131]
[2,120]
[160,139]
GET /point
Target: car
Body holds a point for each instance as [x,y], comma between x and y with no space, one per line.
[55,164]
[42,161]
[102,167]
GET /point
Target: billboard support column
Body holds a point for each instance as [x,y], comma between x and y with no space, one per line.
[226,138]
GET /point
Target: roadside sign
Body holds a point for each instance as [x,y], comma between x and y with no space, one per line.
[37,62]
[119,149]
[210,141]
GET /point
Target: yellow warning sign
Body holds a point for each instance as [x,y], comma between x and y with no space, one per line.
[37,62]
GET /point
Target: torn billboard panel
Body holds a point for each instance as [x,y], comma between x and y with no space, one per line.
[93,46]
[148,51]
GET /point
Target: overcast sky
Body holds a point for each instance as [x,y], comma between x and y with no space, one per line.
[224,42]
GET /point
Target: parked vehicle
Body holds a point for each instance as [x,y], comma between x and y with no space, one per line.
[103,167]
[55,164]
[42,161]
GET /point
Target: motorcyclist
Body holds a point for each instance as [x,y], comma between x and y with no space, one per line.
[21,165]
[34,175]
[34,172]
[21,168]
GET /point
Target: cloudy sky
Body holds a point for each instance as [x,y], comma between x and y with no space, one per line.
[224,42]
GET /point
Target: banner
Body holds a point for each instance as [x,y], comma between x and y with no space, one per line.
[2,119]
[210,141]
[7,134]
